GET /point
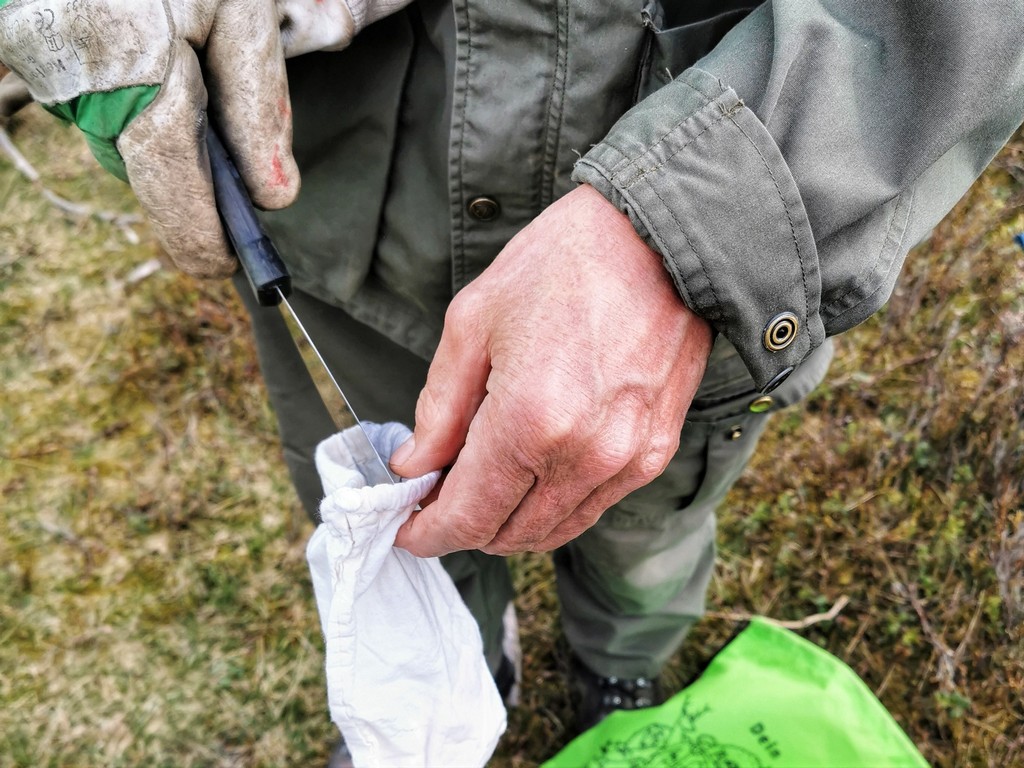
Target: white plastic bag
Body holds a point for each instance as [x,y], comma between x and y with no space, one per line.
[407,682]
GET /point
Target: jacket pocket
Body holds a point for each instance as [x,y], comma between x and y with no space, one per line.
[678,36]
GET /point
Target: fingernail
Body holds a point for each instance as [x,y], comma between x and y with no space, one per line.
[404,451]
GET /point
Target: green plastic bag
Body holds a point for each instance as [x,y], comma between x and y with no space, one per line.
[769,699]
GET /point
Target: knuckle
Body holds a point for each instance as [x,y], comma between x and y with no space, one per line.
[498,551]
[505,542]
[573,527]
[540,547]
[469,534]
[501,548]
[655,459]
[513,545]
[561,535]
[555,426]
[465,320]
[612,455]
[517,536]
[463,310]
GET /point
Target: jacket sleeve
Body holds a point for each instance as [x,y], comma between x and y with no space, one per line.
[785,176]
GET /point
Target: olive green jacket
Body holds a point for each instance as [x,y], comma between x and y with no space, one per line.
[782,158]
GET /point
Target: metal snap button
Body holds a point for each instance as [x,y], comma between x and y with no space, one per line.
[780,331]
[780,377]
[736,432]
[484,208]
[761,404]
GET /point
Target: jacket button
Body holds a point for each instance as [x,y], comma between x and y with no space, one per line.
[761,404]
[780,377]
[736,432]
[483,208]
[780,331]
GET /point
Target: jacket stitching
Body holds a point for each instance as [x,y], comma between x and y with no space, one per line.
[657,142]
[627,162]
[686,237]
[865,274]
[553,127]
[881,282]
[459,258]
[708,96]
[659,166]
[561,92]
[789,217]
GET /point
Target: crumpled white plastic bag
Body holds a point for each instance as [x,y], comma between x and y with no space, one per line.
[407,682]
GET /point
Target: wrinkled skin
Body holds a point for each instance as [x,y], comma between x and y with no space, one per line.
[560,384]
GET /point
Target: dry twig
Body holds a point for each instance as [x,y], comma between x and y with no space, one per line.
[1008,560]
[803,623]
[123,221]
[949,660]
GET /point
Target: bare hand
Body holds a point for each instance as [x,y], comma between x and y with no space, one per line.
[560,385]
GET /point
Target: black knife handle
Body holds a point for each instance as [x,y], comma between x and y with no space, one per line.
[255,250]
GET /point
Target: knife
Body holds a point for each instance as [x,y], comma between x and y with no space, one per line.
[272,285]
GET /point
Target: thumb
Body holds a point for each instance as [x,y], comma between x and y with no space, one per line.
[456,385]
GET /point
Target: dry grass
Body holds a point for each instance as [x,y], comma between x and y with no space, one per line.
[155,603]
[156,606]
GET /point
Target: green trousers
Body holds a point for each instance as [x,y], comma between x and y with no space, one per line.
[631,587]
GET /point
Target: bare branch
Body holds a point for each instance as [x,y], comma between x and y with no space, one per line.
[803,623]
[123,221]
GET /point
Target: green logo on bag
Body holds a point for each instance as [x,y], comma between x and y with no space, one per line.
[771,747]
[680,745]
[784,699]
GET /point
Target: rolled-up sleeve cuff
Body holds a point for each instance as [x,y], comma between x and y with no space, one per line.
[705,185]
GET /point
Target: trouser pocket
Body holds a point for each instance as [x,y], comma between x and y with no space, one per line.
[632,585]
[730,429]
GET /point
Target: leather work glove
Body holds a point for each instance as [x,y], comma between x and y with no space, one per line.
[328,25]
[128,73]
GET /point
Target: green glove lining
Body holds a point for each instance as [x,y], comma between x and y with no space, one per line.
[102,117]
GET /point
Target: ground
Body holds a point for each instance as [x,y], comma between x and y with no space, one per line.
[156,608]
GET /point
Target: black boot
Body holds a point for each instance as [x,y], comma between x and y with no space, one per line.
[594,697]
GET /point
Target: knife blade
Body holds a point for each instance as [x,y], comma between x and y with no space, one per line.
[271,284]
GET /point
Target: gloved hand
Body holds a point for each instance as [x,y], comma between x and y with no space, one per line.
[328,25]
[127,72]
